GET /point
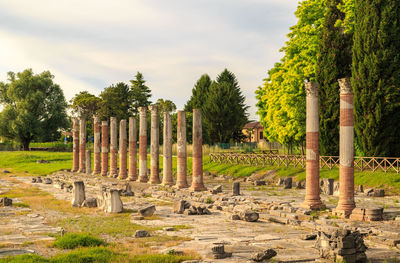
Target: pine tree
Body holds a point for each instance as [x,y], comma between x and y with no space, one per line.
[139,93]
[334,62]
[199,93]
[376,76]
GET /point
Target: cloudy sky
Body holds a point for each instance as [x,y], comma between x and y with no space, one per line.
[91,44]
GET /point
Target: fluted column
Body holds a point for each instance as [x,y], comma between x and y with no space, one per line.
[75,143]
[197,155]
[181,166]
[312,198]
[167,150]
[104,148]
[346,202]
[82,145]
[123,173]
[154,146]
[113,148]
[96,146]
[132,149]
[142,145]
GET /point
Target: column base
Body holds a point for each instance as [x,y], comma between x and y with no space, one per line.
[313,205]
[74,170]
[181,186]
[104,174]
[167,183]
[81,171]
[132,178]
[122,176]
[143,179]
[198,188]
[343,210]
[95,173]
[155,181]
[112,175]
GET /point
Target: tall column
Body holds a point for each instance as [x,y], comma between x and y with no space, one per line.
[82,144]
[104,148]
[75,140]
[88,162]
[167,151]
[197,155]
[96,146]
[142,145]
[181,181]
[154,146]
[312,199]
[346,149]
[113,148]
[132,149]
[123,174]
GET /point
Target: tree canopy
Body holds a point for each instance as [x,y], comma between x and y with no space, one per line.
[139,93]
[34,108]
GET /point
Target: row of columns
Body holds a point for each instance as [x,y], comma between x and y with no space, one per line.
[312,200]
[101,154]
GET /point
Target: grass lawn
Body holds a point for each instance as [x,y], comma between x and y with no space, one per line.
[19,162]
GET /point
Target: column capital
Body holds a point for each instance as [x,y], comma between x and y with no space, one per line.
[142,110]
[153,108]
[312,88]
[96,118]
[345,86]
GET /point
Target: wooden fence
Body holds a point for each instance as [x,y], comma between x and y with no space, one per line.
[360,163]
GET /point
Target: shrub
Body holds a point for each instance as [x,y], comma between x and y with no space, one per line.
[70,241]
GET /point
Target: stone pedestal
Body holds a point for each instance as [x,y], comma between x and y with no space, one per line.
[197,155]
[346,150]
[96,146]
[88,168]
[113,148]
[123,173]
[181,178]
[142,145]
[132,175]
[312,198]
[154,146]
[104,148]
[82,145]
[236,188]
[75,139]
[167,151]
[78,194]
[110,201]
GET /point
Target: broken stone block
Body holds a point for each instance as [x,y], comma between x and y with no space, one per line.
[109,200]
[6,171]
[78,194]
[361,188]
[336,189]
[147,210]
[5,201]
[218,251]
[265,255]
[309,237]
[236,189]
[127,191]
[235,217]
[259,182]
[141,233]
[39,179]
[33,180]
[47,180]
[217,189]
[326,186]
[179,206]
[287,183]
[90,202]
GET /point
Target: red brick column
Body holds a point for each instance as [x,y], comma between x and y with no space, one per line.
[312,198]
[167,150]
[75,140]
[96,146]
[154,146]
[123,174]
[197,155]
[82,145]
[104,148]
[113,148]
[181,180]
[346,150]
[132,149]
[142,145]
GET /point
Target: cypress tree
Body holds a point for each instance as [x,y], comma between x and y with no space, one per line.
[376,76]
[334,62]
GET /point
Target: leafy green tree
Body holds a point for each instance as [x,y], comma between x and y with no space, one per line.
[199,93]
[34,108]
[165,105]
[281,99]
[115,102]
[139,93]
[334,62]
[85,104]
[376,76]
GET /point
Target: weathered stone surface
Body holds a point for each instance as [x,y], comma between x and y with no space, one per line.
[47,180]
[78,194]
[217,189]
[141,233]
[246,214]
[309,237]
[235,217]
[259,182]
[127,191]
[5,201]
[6,171]
[287,183]
[265,255]
[327,185]
[179,206]
[90,202]
[374,192]
[39,180]
[110,201]
[236,189]
[147,210]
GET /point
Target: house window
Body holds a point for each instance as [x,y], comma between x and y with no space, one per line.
[261,135]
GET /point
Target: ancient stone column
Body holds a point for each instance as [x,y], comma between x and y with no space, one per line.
[197,155]
[88,169]
[132,149]
[78,194]
[236,188]
[346,150]
[154,146]
[123,174]
[113,148]
[75,140]
[167,151]
[104,148]
[142,145]
[96,146]
[82,144]
[312,198]
[181,180]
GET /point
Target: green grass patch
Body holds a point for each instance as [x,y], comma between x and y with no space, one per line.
[70,241]
[23,205]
